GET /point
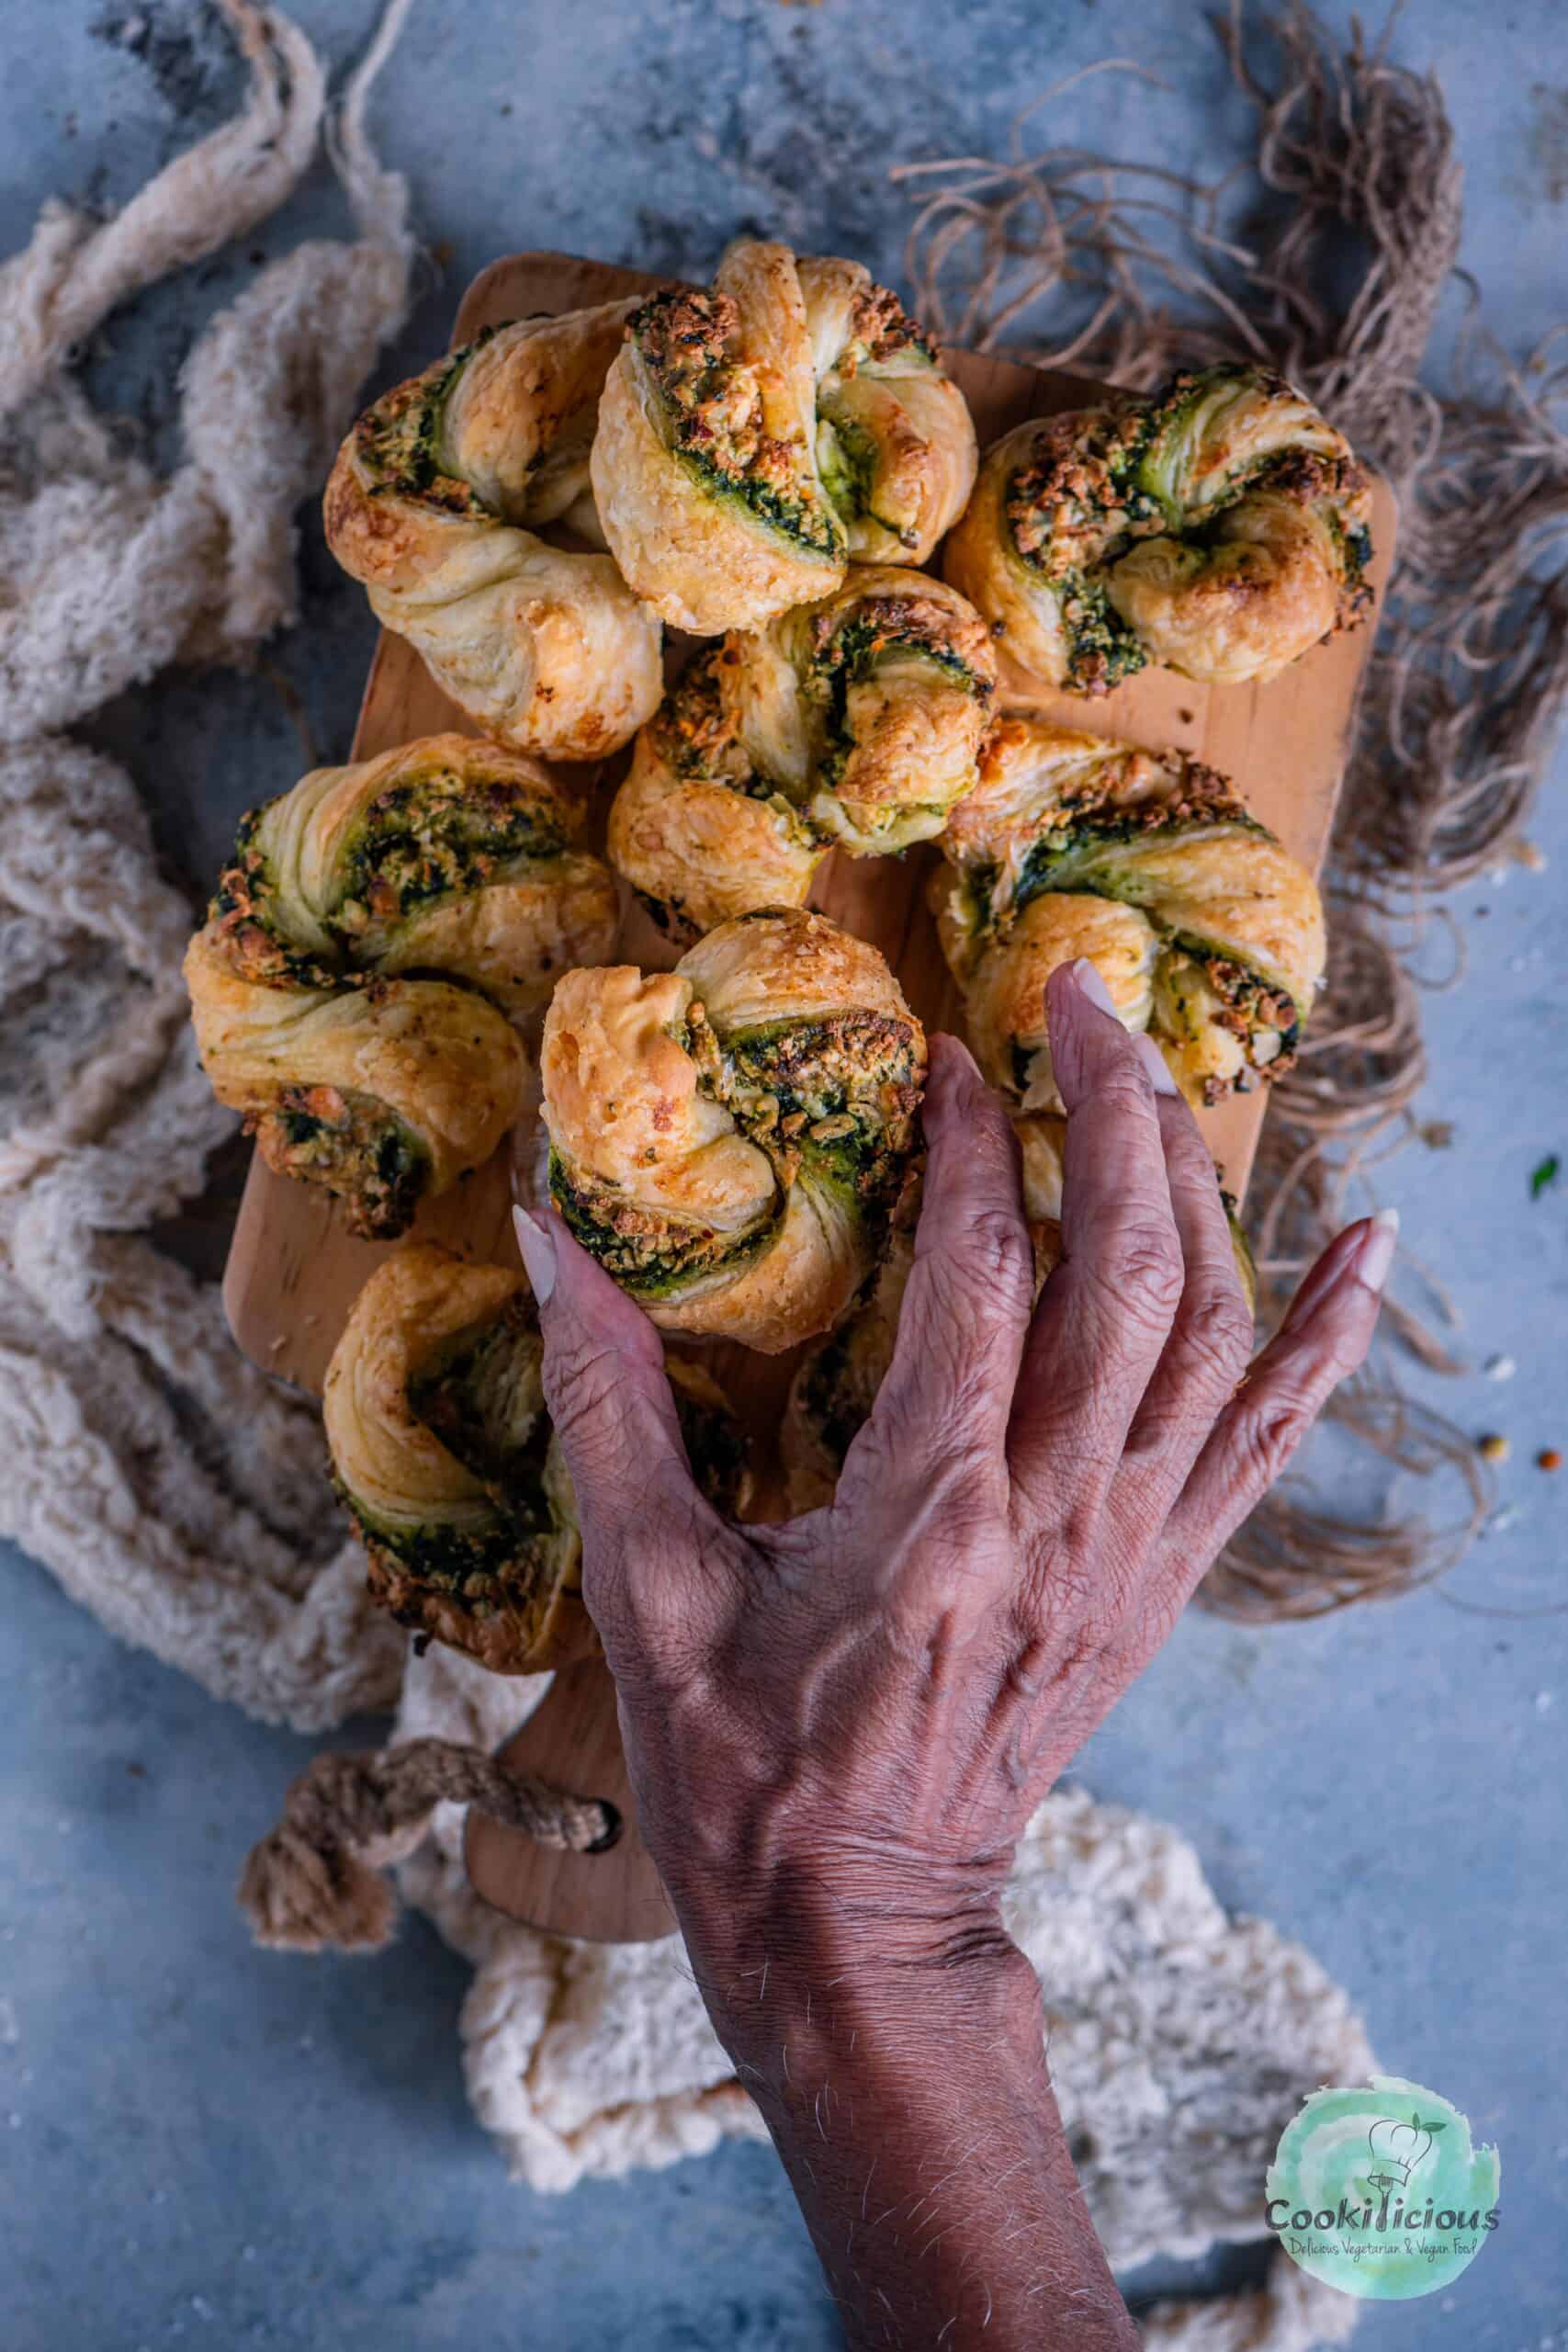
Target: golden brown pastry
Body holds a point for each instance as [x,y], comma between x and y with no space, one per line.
[314,989]
[697,831]
[835,1388]
[1207,933]
[440,502]
[730,1138]
[444,1454]
[1219,528]
[854,723]
[755,439]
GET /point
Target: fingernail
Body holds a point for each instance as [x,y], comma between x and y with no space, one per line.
[1375,1255]
[1093,987]
[537,1245]
[1156,1065]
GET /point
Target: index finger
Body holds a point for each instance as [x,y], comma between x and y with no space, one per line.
[1107,1309]
[943,1407]
[651,1557]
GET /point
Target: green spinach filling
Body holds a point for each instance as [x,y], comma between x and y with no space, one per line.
[434,836]
[647,1251]
[400,441]
[350,1142]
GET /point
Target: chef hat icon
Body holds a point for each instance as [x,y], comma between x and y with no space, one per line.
[1400,2148]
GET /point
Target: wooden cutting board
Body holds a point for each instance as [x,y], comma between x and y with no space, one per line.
[294,1270]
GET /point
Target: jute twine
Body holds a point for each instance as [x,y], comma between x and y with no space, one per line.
[1128,270]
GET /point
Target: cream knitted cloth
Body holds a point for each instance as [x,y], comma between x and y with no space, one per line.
[181,1498]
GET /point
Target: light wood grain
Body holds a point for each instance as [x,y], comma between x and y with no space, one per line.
[294,1270]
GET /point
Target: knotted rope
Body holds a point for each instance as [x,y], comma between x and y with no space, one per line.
[316,1878]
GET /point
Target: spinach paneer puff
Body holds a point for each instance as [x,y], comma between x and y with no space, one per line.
[369,944]
[444,1452]
[1218,527]
[758,436]
[854,723]
[1207,933]
[731,1139]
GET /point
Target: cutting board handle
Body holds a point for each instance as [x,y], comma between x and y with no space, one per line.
[573,1739]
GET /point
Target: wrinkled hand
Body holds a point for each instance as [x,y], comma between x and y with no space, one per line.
[838,1727]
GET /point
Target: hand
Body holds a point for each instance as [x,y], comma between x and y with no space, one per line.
[838,1727]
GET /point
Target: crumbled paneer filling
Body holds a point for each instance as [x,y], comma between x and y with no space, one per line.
[906,623]
[1263,1020]
[713,400]
[398,441]
[329,1134]
[882,327]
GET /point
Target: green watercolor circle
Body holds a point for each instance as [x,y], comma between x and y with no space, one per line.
[1378,2191]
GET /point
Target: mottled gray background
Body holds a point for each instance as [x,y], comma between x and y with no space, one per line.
[199,2141]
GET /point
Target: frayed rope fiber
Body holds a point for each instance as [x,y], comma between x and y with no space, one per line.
[1128,271]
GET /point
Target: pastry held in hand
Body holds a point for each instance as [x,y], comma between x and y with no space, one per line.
[443,501]
[755,439]
[1206,932]
[377,926]
[854,723]
[1219,528]
[836,1384]
[731,1139]
[444,1456]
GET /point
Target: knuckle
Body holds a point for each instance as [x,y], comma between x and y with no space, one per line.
[1149,1266]
[981,1273]
[999,1253]
[954,1583]
[1113,1598]
[1217,1333]
[1141,1271]
[1072,1585]
[1272,1433]
[578,1383]
[958,1467]
[1121,1086]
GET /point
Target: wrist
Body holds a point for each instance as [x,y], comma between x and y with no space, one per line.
[888,1954]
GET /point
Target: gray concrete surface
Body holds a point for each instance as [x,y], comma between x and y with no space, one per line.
[200,2142]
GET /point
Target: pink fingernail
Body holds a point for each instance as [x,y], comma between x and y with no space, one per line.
[1156,1065]
[1375,1255]
[537,1245]
[1093,987]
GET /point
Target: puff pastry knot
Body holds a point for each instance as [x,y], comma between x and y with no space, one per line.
[1207,933]
[444,1452]
[460,501]
[1219,528]
[352,987]
[853,723]
[755,438]
[731,1139]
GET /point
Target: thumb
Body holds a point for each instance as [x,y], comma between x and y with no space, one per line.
[605,1387]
